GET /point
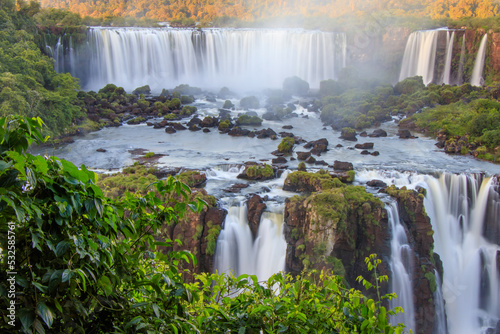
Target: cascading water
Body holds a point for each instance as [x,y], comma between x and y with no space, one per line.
[477,72]
[401,270]
[449,54]
[464,211]
[209,58]
[420,55]
[238,253]
[460,73]
[457,205]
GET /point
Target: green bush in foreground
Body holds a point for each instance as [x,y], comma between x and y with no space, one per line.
[86,263]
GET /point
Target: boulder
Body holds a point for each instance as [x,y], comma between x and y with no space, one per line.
[303,155]
[310,160]
[405,134]
[375,153]
[287,127]
[279,160]
[101,150]
[348,134]
[378,133]
[170,129]
[238,132]
[364,146]
[236,188]
[177,126]
[365,152]
[318,146]
[376,184]
[341,165]
[265,133]
[209,122]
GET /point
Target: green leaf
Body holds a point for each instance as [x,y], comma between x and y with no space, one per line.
[40,287]
[133,322]
[31,177]
[156,310]
[26,317]
[105,284]
[45,313]
[62,247]
[66,275]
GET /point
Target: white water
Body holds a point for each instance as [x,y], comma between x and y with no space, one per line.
[401,264]
[420,55]
[477,72]
[440,321]
[210,58]
[456,205]
[460,73]
[239,254]
[449,53]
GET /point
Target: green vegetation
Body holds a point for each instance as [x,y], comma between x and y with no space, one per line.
[224,124]
[192,178]
[286,145]
[188,110]
[228,105]
[311,182]
[259,172]
[29,85]
[88,263]
[249,120]
[149,155]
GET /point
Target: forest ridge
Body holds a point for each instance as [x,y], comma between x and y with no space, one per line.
[249,10]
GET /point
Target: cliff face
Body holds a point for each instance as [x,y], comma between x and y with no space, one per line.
[425,261]
[198,233]
[337,228]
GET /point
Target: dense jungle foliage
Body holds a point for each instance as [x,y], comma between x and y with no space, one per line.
[220,11]
[85,263]
[29,85]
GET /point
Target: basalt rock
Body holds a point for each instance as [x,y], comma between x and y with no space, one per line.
[378,133]
[279,160]
[303,155]
[318,146]
[405,134]
[256,207]
[238,132]
[348,134]
[198,233]
[419,232]
[341,165]
[364,146]
[209,122]
[336,229]
[376,184]
[170,129]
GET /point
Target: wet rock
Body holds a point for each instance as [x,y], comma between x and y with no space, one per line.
[341,165]
[265,133]
[206,130]
[236,188]
[101,150]
[279,160]
[194,121]
[310,160]
[160,125]
[209,122]
[376,183]
[378,133]
[364,146]
[375,153]
[177,126]
[321,163]
[405,134]
[287,127]
[257,172]
[286,134]
[348,134]
[317,146]
[194,127]
[238,132]
[303,155]
[363,134]
[339,146]
[365,152]
[170,129]
[256,207]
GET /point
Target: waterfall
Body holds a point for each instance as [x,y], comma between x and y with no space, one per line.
[440,322]
[401,264]
[209,58]
[477,72]
[461,64]
[449,54]
[457,206]
[420,55]
[238,253]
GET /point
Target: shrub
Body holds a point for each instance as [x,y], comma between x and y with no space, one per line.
[249,120]
[174,104]
[228,105]
[142,90]
[187,99]
[409,85]
[188,110]
[286,145]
